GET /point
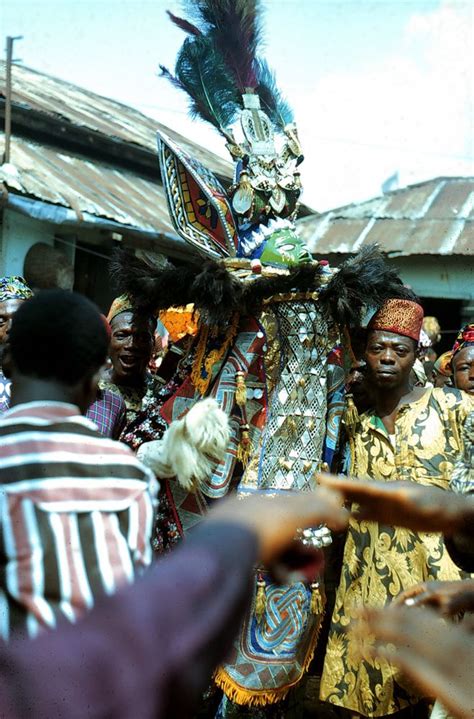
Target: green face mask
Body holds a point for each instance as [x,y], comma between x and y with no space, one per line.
[284,248]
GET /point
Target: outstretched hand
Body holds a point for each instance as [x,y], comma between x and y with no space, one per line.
[404,504]
[276,519]
[437,656]
[448,598]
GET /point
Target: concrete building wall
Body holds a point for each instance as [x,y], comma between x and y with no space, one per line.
[87,250]
[448,277]
[445,284]
[18,234]
[440,276]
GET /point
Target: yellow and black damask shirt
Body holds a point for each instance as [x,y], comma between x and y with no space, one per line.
[381,561]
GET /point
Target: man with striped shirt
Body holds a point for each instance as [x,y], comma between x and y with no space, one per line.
[76,509]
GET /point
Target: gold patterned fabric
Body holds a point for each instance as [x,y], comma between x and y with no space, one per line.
[381,561]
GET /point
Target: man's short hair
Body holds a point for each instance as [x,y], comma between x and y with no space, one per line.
[58,335]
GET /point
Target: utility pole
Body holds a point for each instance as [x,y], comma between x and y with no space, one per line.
[8,97]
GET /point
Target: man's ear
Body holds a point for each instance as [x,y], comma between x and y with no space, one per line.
[88,390]
[94,382]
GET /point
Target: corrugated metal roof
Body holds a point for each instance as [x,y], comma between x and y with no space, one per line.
[433,217]
[59,99]
[58,177]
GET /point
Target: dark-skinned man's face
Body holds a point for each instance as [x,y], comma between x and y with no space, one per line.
[390,358]
[130,347]
[7,310]
[463,369]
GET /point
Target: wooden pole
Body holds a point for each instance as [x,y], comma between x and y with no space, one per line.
[8,97]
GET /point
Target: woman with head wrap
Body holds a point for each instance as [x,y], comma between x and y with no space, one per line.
[13,292]
[442,371]
[462,361]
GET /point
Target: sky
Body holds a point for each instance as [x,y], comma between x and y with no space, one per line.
[377,86]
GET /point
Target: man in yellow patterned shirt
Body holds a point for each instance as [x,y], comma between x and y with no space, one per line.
[412,434]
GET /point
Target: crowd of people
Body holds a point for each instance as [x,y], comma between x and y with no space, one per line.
[81,518]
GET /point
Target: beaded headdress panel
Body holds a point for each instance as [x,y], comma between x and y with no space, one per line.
[231,87]
[247,227]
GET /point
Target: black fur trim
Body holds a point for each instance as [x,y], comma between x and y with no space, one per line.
[213,290]
[364,280]
[216,294]
[301,279]
[152,288]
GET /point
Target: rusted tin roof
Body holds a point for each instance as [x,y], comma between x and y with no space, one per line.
[54,176]
[54,98]
[430,218]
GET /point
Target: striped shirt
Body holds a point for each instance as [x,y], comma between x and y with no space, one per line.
[76,515]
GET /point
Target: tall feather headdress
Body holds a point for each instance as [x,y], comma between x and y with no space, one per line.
[220,68]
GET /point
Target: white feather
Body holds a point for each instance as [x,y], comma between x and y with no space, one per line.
[190,446]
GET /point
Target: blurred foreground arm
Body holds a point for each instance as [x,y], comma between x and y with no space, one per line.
[437,656]
[406,504]
[420,508]
[149,651]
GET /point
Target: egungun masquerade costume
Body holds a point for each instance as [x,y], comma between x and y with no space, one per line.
[269,319]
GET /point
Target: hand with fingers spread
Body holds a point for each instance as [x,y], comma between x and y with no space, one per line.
[448,598]
[405,504]
[437,656]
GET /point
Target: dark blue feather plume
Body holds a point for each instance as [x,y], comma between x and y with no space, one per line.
[271,99]
[235,29]
[201,72]
[218,62]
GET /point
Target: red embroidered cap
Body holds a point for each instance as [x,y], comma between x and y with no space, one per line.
[403,317]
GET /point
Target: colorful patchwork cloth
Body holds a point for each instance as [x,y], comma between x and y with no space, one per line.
[272,653]
[336,406]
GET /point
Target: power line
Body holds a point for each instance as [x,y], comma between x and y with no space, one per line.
[81,248]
